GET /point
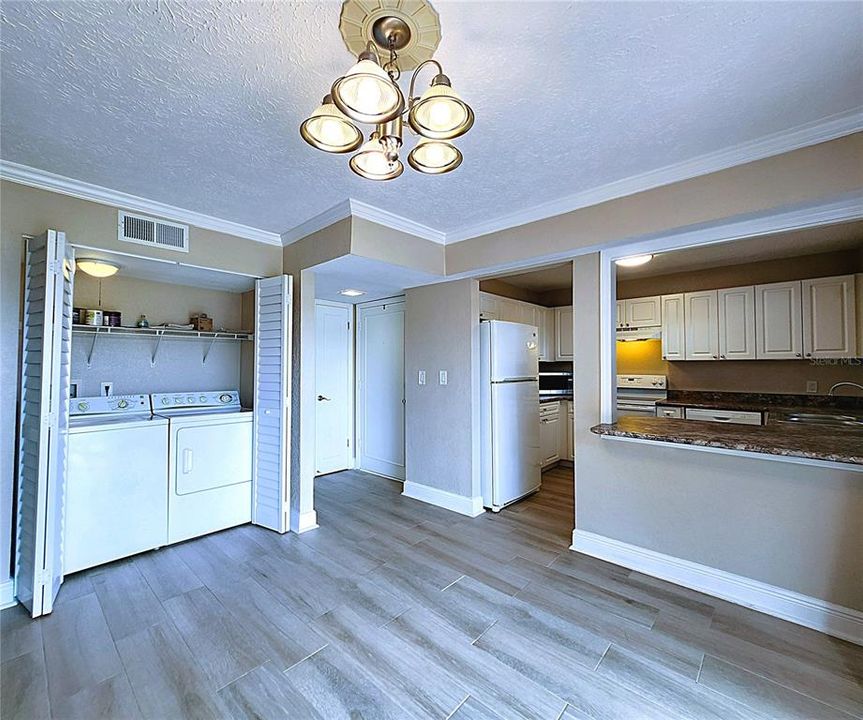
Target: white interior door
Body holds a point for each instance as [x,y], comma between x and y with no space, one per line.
[272,421]
[333,382]
[381,391]
[48,283]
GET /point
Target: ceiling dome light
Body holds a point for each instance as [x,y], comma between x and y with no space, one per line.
[634,261]
[375,162]
[434,157]
[330,130]
[367,94]
[97,268]
[440,114]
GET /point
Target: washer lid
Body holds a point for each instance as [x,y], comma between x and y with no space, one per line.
[87,423]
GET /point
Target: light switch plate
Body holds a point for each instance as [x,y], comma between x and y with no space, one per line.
[442,377]
[421,377]
[812,386]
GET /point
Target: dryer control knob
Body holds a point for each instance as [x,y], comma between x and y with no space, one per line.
[165,401]
[225,398]
[123,404]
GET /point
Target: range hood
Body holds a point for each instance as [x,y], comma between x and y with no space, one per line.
[633,334]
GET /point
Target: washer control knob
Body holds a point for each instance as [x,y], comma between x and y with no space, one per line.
[165,401]
[190,399]
[123,404]
[225,397]
[82,406]
[203,398]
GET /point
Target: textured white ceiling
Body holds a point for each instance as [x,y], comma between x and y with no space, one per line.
[197,104]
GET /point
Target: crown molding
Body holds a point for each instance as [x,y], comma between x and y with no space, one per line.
[396,222]
[337,212]
[829,128]
[43,180]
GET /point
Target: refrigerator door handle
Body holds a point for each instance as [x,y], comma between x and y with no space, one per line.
[526,378]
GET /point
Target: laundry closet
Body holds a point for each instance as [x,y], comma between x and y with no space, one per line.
[155,407]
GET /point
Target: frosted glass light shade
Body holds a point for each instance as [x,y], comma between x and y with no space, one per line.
[440,114]
[371,162]
[434,157]
[366,94]
[97,268]
[330,130]
[634,261]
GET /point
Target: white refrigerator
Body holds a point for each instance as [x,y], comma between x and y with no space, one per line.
[509,394]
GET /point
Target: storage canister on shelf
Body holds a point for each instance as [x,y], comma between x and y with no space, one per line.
[94,317]
[111,318]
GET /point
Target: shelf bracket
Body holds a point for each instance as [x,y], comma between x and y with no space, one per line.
[159,336]
[207,351]
[92,348]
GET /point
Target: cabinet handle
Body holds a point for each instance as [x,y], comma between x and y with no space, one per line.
[722,356]
[714,357]
[796,354]
[808,354]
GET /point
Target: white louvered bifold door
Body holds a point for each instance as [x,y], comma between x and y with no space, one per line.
[49,274]
[272,457]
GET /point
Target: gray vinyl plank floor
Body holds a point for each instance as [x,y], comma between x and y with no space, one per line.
[396,609]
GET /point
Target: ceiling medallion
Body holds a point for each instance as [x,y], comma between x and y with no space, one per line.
[405,34]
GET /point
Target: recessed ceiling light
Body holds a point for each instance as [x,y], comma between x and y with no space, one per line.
[348,292]
[97,268]
[634,261]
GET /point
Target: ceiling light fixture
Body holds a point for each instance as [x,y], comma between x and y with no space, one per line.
[634,261]
[369,93]
[97,268]
[348,292]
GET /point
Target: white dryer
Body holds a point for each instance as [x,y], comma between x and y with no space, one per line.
[209,461]
[116,501]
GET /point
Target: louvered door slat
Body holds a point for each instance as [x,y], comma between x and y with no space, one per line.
[273,307]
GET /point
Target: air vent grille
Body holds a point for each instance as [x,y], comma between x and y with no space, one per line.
[145,230]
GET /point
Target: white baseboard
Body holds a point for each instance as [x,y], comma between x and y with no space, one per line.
[307,521]
[810,612]
[7,594]
[470,506]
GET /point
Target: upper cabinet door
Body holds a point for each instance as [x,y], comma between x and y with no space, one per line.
[508,310]
[702,325]
[488,309]
[563,333]
[778,321]
[829,317]
[737,323]
[621,314]
[643,312]
[673,334]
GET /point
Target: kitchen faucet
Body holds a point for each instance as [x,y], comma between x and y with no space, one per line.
[844,382]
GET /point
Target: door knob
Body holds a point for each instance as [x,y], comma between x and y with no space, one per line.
[321,397]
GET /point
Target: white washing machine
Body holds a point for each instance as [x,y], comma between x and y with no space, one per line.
[116,501]
[209,461]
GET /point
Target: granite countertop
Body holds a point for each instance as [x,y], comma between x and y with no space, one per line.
[813,442]
[761,402]
[556,398]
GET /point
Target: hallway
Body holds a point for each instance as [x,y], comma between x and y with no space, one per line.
[396,609]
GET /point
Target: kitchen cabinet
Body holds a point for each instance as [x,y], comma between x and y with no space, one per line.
[673,328]
[563,333]
[546,333]
[736,323]
[639,313]
[570,430]
[701,321]
[778,321]
[734,417]
[549,433]
[858,286]
[488,309]
[829,317]
[673,413]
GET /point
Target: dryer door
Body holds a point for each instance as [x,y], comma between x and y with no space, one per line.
[211,455]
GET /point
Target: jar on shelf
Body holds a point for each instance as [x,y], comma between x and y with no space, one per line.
[142,322]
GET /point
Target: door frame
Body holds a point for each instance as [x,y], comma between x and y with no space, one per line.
[352,377]
[358,408]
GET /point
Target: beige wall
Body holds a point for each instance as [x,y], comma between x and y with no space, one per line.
[442,421]
[821,171]
[378,242]
[789,525]
[160,302]
[28,211]
[755,273]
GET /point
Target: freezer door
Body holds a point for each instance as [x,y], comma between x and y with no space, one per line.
[514,351]
[515,440]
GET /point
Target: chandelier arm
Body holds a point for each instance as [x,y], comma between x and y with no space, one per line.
[431,61]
